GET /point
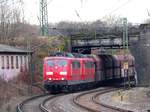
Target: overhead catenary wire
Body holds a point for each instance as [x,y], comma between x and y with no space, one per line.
[77,14]
[50,1]
[119,7]
[83,2]
[148,12]
[110,13]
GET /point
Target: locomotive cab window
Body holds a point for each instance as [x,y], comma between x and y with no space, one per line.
[50,63]
[75,64]
[89,64]
[62,62]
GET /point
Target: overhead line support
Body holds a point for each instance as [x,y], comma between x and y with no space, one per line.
[43,18]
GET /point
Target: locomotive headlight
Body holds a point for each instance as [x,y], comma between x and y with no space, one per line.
[49,73]
[63,73]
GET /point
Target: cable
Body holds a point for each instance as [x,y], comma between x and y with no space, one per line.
[83,2]
[49,2]
[148,12]
[78,15]
[120,7]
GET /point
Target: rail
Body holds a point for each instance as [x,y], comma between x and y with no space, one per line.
[42,105]
[19,107]
[94,98]
[100,92]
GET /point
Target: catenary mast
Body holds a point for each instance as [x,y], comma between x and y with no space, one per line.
[43,18]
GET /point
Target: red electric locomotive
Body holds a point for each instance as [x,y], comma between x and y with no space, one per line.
[61,73]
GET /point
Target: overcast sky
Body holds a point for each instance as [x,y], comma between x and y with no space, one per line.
[88,10]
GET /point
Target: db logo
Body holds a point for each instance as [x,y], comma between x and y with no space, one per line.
[56,67]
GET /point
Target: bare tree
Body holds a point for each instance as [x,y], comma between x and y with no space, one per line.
[112,20]
[11,15]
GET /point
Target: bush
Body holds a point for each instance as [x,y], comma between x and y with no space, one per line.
[10,89]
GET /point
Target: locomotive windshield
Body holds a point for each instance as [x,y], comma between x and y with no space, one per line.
[56,63]
[50,63]
[62,62]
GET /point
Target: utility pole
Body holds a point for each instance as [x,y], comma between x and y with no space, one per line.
[125,34]
[29,65]
[43,18]
[125,48]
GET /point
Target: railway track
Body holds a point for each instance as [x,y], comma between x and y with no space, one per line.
[148,94]
[43,106]
[89,101]
[36,103]
[25,106]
